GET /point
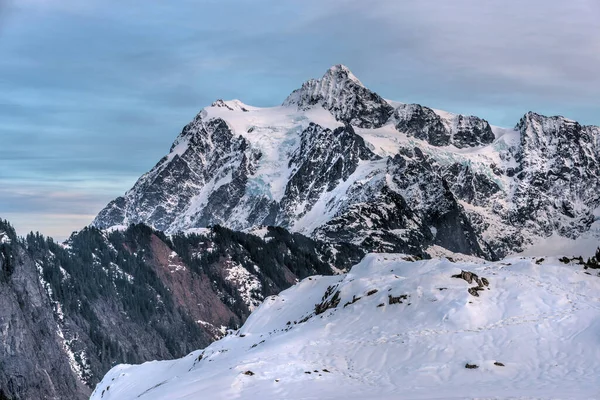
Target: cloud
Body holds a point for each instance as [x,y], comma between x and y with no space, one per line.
[93,93]
[538,54]
[55,211]
[25,197]
[57,226]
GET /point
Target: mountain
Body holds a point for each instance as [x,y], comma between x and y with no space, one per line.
[249,201]
[397,328]
[72,311]
[338,163]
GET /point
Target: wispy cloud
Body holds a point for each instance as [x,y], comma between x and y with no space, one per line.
[92,93]
[57,226]
[55,210]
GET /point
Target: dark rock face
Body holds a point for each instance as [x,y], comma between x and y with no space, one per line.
[472,131]
[161,195]
[384,224]
[473,187]
[33,363]
[409,207]
[557,176]
[70,313]
[422,123]
[430,196]
[340,92]
[323,160]
[425,124]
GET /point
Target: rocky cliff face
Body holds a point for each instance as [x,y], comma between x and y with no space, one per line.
[340,92]
[339,163]
[556,181]
[442,129]
[70,312]
[33,362]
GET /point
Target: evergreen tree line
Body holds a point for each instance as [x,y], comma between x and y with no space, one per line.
[93,269]
[7,251]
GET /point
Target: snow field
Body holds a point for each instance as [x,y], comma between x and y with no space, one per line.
[540,320]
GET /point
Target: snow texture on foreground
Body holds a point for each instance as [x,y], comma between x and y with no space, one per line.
[542,321]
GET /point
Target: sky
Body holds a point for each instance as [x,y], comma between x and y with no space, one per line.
[92,93]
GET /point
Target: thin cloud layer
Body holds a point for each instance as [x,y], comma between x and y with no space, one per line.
[93,93]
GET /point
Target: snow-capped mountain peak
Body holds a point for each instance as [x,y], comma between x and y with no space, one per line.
[336,79]
[231,105]
[340,73]
[340,92]
[339,163]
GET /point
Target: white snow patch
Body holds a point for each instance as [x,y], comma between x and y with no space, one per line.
[198,231]
[115,228]
[4,239]
[78,361]
[64,274]
[117,272]
[249,287]
[540,321]
[433,230]
[261,232]
[175,265]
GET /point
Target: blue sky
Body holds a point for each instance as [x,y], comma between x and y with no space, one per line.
[92,93]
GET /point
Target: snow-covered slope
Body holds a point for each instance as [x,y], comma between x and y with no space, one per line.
[339,163]
[395,329]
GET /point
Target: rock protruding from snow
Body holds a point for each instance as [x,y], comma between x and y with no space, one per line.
[470,131]
[422,123]
[442,129]
[340,92]
[388,327]
[230,105]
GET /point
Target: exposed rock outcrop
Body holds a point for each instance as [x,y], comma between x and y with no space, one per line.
[340,92]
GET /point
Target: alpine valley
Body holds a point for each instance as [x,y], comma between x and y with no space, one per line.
[340,245]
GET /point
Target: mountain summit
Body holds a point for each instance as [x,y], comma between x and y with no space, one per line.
[340,92]
[339,163]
